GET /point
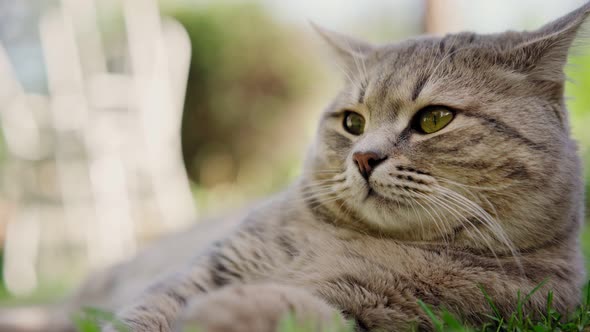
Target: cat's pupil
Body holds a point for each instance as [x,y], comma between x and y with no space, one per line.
[432,120]
[354,123]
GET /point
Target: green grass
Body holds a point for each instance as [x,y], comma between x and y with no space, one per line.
[547,320]
[90,320]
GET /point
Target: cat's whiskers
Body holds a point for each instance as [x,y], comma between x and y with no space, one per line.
[418,216]
[327,191]
[319,190]
[479,194]
[446,224]
[481,235]
[466,186]
[474,208]
[468,189]
[460,216]
[333,198]
[339,169]
[492,207]
[347,209]
[486,239]
[491,223]
[408,212]
[439,224]
[320,187]
[335,172]
[320,195]
[319,182]
[325,175]
[453,208]
[319,200]
[467,205]
[322,182]
[424,208]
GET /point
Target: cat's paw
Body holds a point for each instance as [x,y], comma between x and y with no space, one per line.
[259,308]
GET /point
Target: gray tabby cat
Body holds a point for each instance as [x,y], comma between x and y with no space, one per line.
[443,165]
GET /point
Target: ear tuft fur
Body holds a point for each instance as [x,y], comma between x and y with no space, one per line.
[348,50]
[543,53]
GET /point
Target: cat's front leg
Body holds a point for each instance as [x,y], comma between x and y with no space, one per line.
[160,305]
[158,308]
[249,255]
[261,308]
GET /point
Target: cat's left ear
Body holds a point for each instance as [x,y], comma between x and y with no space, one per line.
[350,51]
[543,53]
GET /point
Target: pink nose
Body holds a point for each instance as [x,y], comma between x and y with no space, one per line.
[366,162]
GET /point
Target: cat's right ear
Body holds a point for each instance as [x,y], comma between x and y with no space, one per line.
[349,51]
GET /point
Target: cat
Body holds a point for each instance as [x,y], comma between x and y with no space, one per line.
[443,166]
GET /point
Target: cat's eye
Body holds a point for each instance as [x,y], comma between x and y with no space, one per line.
[433,119]
[354,123]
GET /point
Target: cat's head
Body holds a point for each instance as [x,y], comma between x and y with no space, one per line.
[463,138]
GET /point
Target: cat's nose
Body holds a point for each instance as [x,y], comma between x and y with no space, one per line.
[367,161]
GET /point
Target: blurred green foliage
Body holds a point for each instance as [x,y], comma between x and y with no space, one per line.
[578,94]
[247,75]
[578,102]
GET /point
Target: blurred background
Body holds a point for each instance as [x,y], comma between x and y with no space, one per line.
[122,120]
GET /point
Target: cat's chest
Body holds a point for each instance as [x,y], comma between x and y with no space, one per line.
[322,252]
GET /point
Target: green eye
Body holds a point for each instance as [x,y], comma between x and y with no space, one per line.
[354,123]
[433,119]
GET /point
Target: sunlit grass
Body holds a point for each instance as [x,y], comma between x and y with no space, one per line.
[547,320]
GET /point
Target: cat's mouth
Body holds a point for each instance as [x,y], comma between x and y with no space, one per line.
[372,194]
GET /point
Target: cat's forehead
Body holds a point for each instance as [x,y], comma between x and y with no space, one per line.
[422,50]
[424,54]
[433,66]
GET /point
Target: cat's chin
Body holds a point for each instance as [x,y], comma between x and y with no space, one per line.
[395,215]
[382,211]
[390,202]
